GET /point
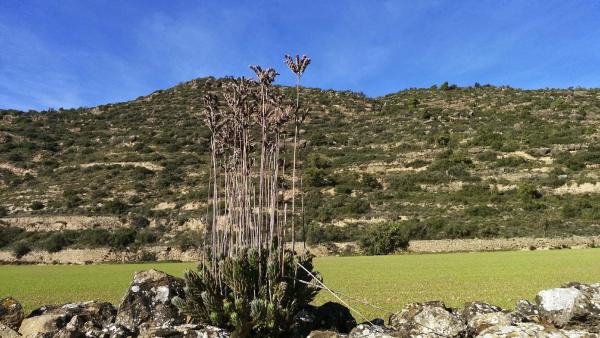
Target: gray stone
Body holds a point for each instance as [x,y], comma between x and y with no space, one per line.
[525,311]
[479,316]
[326,334]
[521,330]
[592,292]
[183,331]
[431,319]
[148,300]
[483,321]
[561,305]
[373,331]
[69,320]
[543,151]
[7,332]
[11,313]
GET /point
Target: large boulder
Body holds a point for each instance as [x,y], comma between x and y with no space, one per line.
[561,305]
[334,317]
[148,301]
[69,320]
[431,319]
[11,313]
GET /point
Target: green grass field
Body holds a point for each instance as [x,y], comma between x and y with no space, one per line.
[388,281]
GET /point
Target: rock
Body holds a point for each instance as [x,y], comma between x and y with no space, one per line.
[592,292]
[430,319]
[11,313]
[304,322]
[184,331]
[115,331]
[561,305]
[366,330]
[47,323]
[473,309]
[479,316]
[476,150]
[543,151]
[69,320]
[7,332]
[525,311]
[335,317]
[579,334]
[483,321]
[148,300]
[326,334]
[521,330]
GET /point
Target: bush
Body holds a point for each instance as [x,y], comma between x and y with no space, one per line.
[95,237]
[357,206]
[146,236]
[37,205]
[317,234]
[21,249]
[317,177]
[251,299]
[116,206]
[510,161]
[384,238]
[3,211]
[10,235]
[528,192]
[139,222]
[123,237]
[369,181]
[481,211]
[55,242]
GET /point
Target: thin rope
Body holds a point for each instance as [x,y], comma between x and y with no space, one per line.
[335,293]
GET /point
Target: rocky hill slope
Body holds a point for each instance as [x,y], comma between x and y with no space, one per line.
[446,162]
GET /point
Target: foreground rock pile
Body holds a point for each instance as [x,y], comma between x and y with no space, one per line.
[572,311]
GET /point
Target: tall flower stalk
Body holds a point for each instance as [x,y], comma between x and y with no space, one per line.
[297,65]
[249,282]
[248,164]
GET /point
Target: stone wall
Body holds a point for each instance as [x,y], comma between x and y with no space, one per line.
[102,255]
[57,223]
[500,244]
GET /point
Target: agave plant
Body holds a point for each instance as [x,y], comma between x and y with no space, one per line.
[249,282]
[246,301]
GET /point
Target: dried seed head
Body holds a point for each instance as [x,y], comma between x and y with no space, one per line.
[298,64]
[265,76]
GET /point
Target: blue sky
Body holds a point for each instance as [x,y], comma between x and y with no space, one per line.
[71,53]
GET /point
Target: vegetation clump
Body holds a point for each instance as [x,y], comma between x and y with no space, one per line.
[249,282]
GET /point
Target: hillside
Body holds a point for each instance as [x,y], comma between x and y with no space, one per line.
[445,162]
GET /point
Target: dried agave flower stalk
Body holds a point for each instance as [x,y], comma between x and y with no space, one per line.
[297,65]
[248,209]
